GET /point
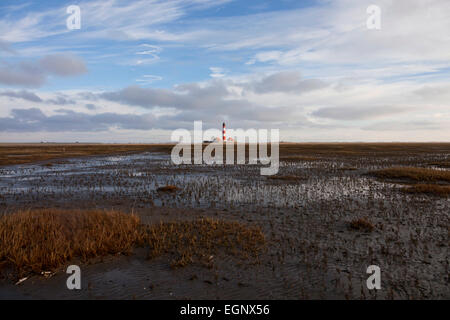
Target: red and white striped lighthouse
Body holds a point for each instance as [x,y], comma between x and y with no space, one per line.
[223,133]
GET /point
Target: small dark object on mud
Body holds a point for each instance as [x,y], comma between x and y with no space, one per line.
[241,284]
[362,224]
[168,189]
[298,158]
[285,178]
[442,164]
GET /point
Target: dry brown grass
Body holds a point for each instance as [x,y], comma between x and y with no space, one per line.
[432,189]
[412,173]
[357,149]
[11,154]
[26,153]
[362,224]
[202,239]
[41,240]
[34,241]
[316,151]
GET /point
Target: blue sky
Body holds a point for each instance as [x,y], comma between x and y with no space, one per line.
[136,70]
[175,62]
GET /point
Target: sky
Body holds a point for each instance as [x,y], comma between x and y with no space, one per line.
[137,70]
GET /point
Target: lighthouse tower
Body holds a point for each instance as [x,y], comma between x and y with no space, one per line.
[224,138]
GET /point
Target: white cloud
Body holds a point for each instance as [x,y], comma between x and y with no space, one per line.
[148,79]
[411,31]
[35,73]
[217,72]
[63,65]
[149,49]
[368,111]
[111,19]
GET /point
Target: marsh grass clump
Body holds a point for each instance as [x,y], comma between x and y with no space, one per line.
[168,189]
[362,224]
[413,173]
[33,241]
[202,239]
[431,189]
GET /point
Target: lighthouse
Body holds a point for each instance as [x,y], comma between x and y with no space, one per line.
[224,138]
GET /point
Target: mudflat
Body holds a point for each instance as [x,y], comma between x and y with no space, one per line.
[332,210]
